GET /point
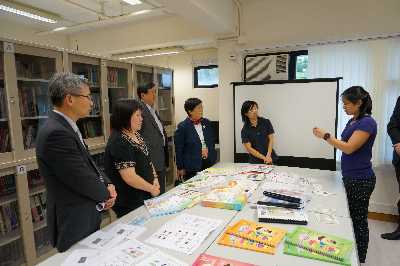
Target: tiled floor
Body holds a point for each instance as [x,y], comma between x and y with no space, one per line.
[382,252]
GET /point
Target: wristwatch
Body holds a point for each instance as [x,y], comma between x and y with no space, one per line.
[326,136]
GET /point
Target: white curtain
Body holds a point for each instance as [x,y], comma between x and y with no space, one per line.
[374,65]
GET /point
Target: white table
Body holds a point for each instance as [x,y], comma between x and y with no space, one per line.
[330,181]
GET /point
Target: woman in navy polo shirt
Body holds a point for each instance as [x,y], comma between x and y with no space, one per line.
[257,135]
[358,177]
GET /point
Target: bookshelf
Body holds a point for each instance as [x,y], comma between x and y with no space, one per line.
[5,136]
[11,249]
[91,127]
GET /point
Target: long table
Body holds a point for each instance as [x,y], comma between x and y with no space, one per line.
[334,201]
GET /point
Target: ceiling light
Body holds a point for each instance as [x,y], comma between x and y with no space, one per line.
[140,12]
[26,14]
[60,29]
[133,2]
[148,55]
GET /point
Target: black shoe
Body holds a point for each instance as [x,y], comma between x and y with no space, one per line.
[392,236]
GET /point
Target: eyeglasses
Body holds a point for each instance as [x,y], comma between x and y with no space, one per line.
[89,97]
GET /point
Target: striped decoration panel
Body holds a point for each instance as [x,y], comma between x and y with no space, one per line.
[266,67]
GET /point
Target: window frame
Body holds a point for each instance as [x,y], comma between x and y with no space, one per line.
[292,63]
[196,78]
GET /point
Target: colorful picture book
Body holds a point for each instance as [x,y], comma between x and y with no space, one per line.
[243,243]
[208,260]
[232,197]
[327,245]
[268,214]
[261,233]
[301,252]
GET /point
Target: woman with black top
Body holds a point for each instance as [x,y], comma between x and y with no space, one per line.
[127,161]
[257,135]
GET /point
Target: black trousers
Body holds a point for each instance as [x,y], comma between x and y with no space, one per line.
[205,163]
[121,210]
[358,194]
[397,170]
[161,180]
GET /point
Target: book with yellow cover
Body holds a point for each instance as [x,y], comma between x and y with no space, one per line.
[243,243]
[261,233]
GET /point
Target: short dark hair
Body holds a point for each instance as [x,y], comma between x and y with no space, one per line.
[122,112]
[190,104]
[144,89]
[357,93]
[64,83]
[246,107]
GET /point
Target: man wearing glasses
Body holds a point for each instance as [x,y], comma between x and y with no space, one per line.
[76,189]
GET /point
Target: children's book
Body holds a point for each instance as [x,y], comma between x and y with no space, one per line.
[327,245]
[208,260]
[243,243]
[232,197]
[261,233]
[301,252]
[267,214]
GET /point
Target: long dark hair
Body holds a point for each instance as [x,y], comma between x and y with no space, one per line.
[357,93]
[246,107]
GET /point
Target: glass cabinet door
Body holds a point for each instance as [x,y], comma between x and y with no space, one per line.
[5,136]
[164,93]
[144,75]
[33,74]
[117,82]
[92,125]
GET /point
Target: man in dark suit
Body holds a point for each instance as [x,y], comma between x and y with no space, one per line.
[393,129]
[194,142]
[153,132]
[76,189]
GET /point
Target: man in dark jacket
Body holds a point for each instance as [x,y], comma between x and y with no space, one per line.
[76,189]
[393,129]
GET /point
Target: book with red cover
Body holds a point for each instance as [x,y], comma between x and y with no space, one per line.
[208,260]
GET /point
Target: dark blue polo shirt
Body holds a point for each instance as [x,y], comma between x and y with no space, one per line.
[258,137]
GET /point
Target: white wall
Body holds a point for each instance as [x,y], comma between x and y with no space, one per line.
[182,64]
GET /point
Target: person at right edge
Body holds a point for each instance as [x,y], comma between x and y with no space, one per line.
[393,129]
[356,144]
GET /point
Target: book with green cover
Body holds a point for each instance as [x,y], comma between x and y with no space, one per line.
[293,250]
[327,245]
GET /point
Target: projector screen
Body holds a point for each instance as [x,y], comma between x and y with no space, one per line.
[294,108]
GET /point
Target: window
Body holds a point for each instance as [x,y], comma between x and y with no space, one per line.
[298,65]
[206,76]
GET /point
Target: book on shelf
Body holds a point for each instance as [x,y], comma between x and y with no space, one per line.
[38,208]
[112,77]
[3,103]
[7,185]
[9,215]
[96,108]
[268,214]
[261,233]
[208,260]
[12,253]
[5,145]
[29,134]
[327,245]
[42,239]
[90,128]
[35,179]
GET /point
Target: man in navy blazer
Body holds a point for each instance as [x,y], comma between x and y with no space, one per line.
[194,141]
[76,189]
[393,129]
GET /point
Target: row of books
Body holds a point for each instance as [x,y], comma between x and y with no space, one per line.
[12,253]
[38,207]
[90,127]
[3,103]
[96,108]
[9,218]
[35,179]
[34,67]
[7,185]
[42,240]
[29,133]
[87,71]
[5,144]
[33,99]
[116,78]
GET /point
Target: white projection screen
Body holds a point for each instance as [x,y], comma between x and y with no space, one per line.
[294,108]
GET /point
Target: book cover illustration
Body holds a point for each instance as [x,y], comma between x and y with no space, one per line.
[231,197]
[324,244]
[261,233]
[243,243]
[301,252]
[208,260]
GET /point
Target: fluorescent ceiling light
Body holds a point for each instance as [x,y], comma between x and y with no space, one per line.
[147,55]
[133,2]
[26,14]
[60,29]
[140,12]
